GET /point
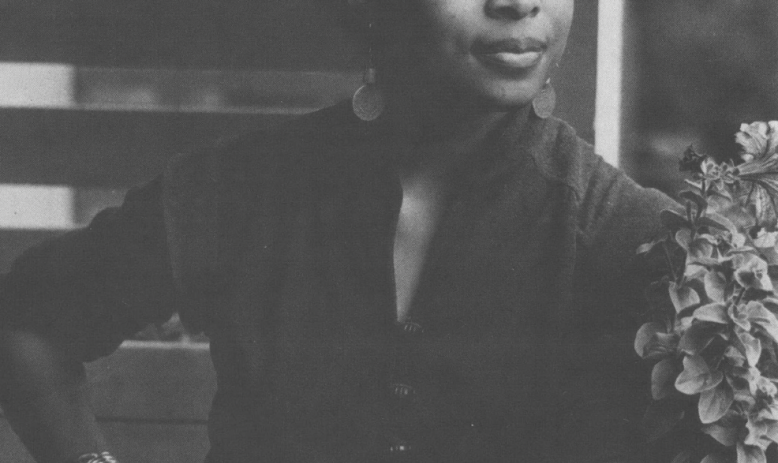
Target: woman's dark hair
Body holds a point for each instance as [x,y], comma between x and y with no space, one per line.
[388,18]
[353,18]
[356,17]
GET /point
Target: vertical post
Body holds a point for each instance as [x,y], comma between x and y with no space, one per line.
[610,74]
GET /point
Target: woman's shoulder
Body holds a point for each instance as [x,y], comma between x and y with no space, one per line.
[605,195]
[295,141]
[335,123]
[562,156]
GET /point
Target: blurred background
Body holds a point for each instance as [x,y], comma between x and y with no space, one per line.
[96,95]
[700,68]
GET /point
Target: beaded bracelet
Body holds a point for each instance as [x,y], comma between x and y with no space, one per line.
[104,457]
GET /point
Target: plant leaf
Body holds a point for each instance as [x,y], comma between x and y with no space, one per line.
[737,215]
[750,346]
[765,240]
[771,304]
[697,337]
[726,435]
[645,334]
[758,141]
[716,220]
[661,345]
[701,250]
[683,457]
[695,198]
[722,193]
[758,430]
[682,296]
[758,314]
[715,403]
[715,286]
[684,238]
[696,376]
[752,272]
[750,454]
[739,316]
[772,431]
[715,458]
[646,247]
[673,220]
[741,247]
[714,313]
[663,378]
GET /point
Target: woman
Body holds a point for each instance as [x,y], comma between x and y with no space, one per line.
[436,272]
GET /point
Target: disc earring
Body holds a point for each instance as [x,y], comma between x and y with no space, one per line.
[543,104]
[368,101]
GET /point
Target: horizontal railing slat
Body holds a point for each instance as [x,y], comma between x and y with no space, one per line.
[154,381]
[169,443]
[66,86]
[152,400]
[238,34]
[130,442]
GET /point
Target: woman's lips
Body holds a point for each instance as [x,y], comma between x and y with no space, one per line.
[510,54]
[512,60]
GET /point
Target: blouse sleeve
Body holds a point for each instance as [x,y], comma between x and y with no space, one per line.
[613,391]
[91,288]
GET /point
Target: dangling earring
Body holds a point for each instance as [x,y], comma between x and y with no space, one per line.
[368,101]
[544,103]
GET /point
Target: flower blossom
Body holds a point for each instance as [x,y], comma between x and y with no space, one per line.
[751,272]
[759,140]
[766,243]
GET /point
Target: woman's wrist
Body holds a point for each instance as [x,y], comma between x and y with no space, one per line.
[102,457]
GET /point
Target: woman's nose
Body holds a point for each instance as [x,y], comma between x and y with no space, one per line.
[512,9]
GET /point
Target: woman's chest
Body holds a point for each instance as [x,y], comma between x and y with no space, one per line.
[308,333]
[311,324]
[492,263]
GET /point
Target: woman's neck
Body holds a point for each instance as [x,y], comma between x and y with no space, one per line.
[441,134]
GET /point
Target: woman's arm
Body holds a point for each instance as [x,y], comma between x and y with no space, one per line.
[44,396]
[613,393]
[72,300]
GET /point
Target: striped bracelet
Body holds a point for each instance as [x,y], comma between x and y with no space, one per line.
[104,457]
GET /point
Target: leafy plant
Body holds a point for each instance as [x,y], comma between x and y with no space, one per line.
[713,333]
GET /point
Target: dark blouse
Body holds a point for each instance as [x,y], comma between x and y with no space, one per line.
[519,346]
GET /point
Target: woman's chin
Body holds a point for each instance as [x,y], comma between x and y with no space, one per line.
[502,93]
[504,101]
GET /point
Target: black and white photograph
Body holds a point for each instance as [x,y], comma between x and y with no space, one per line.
[378,231]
